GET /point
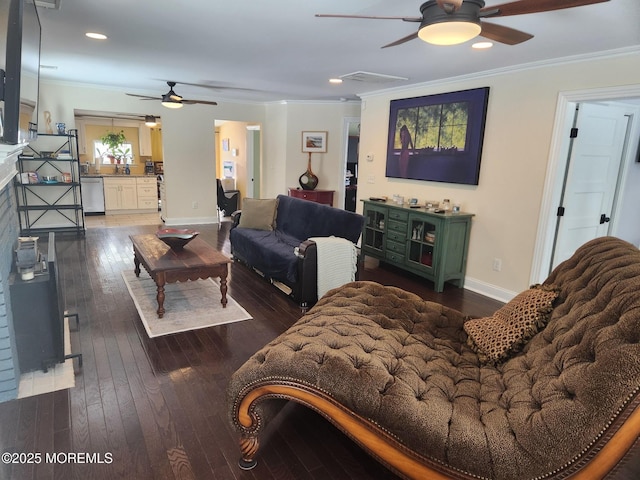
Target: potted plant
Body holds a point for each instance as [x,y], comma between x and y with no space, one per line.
[113,141]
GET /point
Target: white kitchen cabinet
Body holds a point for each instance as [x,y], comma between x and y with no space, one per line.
[120,194]
[144,136]
[147,191]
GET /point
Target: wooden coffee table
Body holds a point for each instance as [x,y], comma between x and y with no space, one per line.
[197,260]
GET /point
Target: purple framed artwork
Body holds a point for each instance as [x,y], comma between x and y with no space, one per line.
[438,137]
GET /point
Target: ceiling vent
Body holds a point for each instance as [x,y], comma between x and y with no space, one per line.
[371,77]
[53,4]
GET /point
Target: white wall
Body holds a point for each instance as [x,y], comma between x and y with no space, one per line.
[506,202]
[290,120]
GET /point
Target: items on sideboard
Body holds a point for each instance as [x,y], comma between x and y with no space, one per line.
[429,205]
[308,180]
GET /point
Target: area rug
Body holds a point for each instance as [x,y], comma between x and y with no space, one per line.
[189,305]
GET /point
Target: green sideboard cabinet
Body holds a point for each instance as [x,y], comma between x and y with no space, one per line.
[432,245]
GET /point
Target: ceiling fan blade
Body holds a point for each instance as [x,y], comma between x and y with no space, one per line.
[533,6]
[402,40]
[502,34]
[219,87]
[404,19]
[203,102]
[143,97]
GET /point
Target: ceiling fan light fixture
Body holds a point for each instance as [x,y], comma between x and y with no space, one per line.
[169,102]
[449,33]
[150,120]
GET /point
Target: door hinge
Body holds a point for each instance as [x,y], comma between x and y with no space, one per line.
[560,212]
[574,133]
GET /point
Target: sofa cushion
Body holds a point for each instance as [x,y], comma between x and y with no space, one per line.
[304,219]
[497,337]
[259,214]
[270,252]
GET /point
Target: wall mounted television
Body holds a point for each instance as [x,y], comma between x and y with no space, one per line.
[438,137]
[20,37]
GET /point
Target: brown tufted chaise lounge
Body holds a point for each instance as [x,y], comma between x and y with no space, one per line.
[395,374]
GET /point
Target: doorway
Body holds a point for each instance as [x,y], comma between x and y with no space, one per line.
[623,194]
[348,196]
[591,177]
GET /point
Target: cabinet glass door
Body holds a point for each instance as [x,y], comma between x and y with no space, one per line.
[374,229]
[422,242]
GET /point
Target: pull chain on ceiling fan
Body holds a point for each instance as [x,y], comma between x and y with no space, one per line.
[171,99]
[451,22]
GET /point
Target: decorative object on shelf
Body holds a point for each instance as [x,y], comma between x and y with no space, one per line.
[27,257]
[308,180]
[47,122]
[62,128]
[176,238]
[314,142]
[113,141]
[452,151]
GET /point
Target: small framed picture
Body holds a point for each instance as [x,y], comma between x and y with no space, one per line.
[225,144]
[314,142]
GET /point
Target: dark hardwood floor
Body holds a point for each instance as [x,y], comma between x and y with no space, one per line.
[157,407]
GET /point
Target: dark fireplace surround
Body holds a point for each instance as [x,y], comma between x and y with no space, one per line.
[9,371]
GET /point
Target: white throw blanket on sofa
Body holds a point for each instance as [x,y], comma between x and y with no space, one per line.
[337,262]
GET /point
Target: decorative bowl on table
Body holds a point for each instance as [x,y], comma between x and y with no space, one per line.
[176,238]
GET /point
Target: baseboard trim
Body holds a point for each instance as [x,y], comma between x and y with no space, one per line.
[489,290]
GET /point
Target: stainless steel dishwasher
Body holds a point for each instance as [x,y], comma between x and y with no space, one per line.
[92,194]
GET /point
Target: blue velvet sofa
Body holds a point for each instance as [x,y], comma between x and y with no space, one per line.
[284,254]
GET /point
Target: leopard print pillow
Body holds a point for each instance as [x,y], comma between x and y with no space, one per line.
[497,337]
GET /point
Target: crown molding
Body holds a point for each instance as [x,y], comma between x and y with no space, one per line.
[622,52]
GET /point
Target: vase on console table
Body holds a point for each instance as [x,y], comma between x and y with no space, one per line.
[308,180]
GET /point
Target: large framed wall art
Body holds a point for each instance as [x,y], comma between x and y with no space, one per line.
[438,137]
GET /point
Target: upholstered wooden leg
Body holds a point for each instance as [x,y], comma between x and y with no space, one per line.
[248,446]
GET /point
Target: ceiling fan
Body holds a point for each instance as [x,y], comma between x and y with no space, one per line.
[451,22]
[171,99]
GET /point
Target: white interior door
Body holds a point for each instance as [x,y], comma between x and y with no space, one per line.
[592,176]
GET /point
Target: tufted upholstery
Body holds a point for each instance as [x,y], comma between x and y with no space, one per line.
[403,364]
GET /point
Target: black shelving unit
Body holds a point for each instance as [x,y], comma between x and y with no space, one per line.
[50,206]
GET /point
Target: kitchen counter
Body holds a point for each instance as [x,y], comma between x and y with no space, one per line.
[120,175]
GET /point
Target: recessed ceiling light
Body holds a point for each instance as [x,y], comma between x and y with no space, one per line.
[335,80]
[96,36]
[482,45]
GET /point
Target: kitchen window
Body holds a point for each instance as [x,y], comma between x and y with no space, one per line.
[124,154]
